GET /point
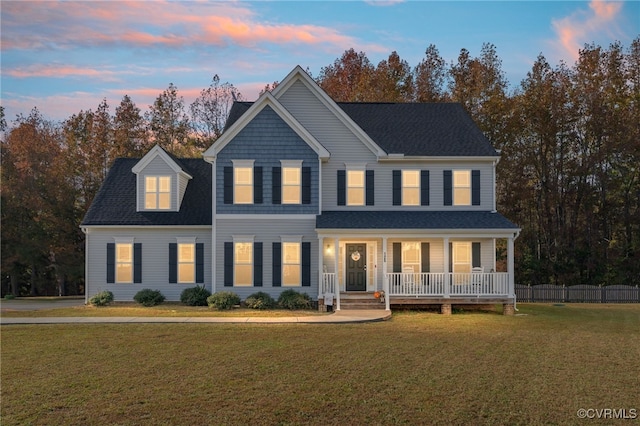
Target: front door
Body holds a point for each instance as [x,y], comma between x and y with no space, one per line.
[356,267]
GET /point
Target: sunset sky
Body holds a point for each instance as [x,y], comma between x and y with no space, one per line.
[65,56]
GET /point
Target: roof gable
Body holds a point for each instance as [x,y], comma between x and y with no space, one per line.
[248,114]
[169,159]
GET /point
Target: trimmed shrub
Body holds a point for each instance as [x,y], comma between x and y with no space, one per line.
[148,297]
[291,299]
[195,296]
[102,299]
[260,300]
[9,296]
[223,300]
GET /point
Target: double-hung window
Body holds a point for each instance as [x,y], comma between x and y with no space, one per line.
[291,264]
[243,263]
[461,187]
[157,192]
[411,257]
[410,187]
[243,185]
[291,182]
[186,263]
[461,261]
[355,187]
[124,262]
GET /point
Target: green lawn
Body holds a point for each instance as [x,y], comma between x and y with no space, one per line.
[417,368]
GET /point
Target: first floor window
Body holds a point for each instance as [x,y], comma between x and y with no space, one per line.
[186,263]
[411,259]
[291,264]
[243,264]
[157,192]
[410,188]
[124,263]
[355,187]
[461,257]
[461,187]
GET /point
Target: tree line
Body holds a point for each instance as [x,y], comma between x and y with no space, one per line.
[569,172]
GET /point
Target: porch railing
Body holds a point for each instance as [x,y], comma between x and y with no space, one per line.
[449,284]
[437,284]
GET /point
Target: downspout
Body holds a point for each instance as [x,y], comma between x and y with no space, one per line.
[85,231]
[515,302]
[212,161]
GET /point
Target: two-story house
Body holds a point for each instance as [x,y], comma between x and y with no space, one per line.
[331,199]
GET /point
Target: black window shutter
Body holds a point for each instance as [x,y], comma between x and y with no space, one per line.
[228,185]
[277,264]
[424,187]
[137,263]
[426,257]
[450,257]
[257,185]
[173,263]
[397,257]
[476,260]
[228,264]
[111,262]
[370,188]
[306,185]
[257,264]
[342,187]
[475,187]
[397,187]
[276,191]
[448,188]
[199,263]
[306,264]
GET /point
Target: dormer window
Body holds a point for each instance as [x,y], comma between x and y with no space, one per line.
[157,192]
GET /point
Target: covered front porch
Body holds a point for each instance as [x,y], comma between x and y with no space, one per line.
[417,265]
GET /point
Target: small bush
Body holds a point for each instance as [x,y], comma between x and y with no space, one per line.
[148,297]
[223,300]
[260,300]
[291,299]
[102,299]
[195,296]
[9,296]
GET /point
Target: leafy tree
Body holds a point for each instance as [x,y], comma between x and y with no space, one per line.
[430,77]
[130,130]
[393,80]
[168,121]
[210,110]
[349,78]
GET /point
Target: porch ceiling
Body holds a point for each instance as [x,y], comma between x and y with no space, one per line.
[482,222]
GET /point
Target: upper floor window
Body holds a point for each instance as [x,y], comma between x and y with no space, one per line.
[461,187]
[243,185]
[291,182]
[410,187]
[355,187]
[157,192]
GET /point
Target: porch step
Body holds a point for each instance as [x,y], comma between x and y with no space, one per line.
[360,301]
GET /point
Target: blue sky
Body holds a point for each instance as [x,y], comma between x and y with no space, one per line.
[65,56]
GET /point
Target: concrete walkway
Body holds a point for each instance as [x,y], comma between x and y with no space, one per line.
[335,318]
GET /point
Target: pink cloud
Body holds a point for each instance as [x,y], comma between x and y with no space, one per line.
[65,25]
[581,26]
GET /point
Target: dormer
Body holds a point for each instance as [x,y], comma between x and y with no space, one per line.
[161,182]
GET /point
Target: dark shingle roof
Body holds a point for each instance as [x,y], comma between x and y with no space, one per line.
[412,220]
[115,203]
[420,129]
[412,129]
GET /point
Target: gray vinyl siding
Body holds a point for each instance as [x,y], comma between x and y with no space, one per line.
[183,181]
[266,231]
[341,143]
[155,260]
[158,167]
[267,140]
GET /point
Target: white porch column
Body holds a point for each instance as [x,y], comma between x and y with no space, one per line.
[385,279]
[511,267]
[447,272]
[321,288]
[336,255]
